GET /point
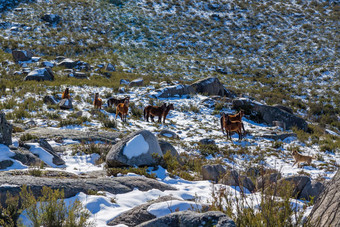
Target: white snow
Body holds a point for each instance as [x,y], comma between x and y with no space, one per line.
[136,147]
[168,207]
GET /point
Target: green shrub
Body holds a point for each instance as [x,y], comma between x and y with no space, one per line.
[137,170]
[136,111]
[209,149]
[28,136]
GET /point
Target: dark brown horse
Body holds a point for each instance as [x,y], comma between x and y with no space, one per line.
[113,101]
[152,111]
[232,126]
[235,117]
[166,111]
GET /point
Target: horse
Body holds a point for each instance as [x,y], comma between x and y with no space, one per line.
[66,94]
[97,103]
[235,117]
[152,111]
[232,126]
[122,110]
[166,111]
[115,101]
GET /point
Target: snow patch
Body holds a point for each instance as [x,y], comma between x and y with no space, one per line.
[164,208]
[136,147]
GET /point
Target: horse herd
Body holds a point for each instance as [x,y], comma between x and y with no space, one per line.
[229,123]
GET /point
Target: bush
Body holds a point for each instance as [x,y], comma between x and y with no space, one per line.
[139,170]
[28,136]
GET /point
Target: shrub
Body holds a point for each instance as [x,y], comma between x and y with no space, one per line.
[27,136]
[137,170]
[136,111]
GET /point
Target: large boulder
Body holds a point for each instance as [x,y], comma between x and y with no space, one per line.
[5,130]
[49,99]
[138,149]
[40,74]
[267,179]
[326,209]
[191,219]
[22,55]
[213,172]
[269,114]
[169,134]
[65,104]
[68,63]
[47,147]
[136,82]
[312,190]
[166,146]
[232,178]
[5,164]
[24,156]
[176,90]
[297,183]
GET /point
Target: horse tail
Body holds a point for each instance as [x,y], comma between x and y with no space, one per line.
[221,121]
[144,113]
[108,102]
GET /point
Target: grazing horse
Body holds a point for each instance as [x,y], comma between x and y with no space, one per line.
[66,94]
[115,101]
[166,111]
[235,117]
[152,111]
[97,103]
[122,110]
[232,126]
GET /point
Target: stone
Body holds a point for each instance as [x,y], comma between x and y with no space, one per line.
[166,146]
[47,64]
[213,172]
[136,82]
[40,74]
[65,104]
[169,134]
[280,124]
[172,91]
[284,108]
[5,164]
[232,178]
[24,156]
[121,90]
[325,211]
[138,214]
[49,99]
[312,189]
[211,86]
[298,183]
[79,75]
[207,141]
[278,136]
[47,147]
[268,114]
[51,18]
[267,179]
[109,67]
[5,130]
[124,81]
[135,150]
[68,63]
[22,55]
[191,219]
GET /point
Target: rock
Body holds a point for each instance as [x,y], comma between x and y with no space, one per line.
[232,178]
[65,104]
[172,91]
[325,211]
[40,74]
[211,86]
[25,157]
[5,130]
[213,172]
[5,164]
[280,124]
[60,58]
[136,82]
[49,99]
[138,214]
[298,184]
[207,141]
[135,150]
[71,187]
[121,90]
[191,219]
[278,136]
[51,18]
[79,75]
[284,108]
[169,134]
[268,114]
[267,179]
[312,189]
[123,81]
[47,64]
[109,67]
[165,147]
[22,55]
[47,147]
[68,63]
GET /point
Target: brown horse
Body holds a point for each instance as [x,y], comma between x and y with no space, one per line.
[97,103]
[122,110]
[115,101]
[232,126]
[235,117]
[152,111]
[167,110]
[66,94]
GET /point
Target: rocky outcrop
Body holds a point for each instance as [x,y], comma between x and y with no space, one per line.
[5,130]
[191,219]
[138,149]
[25,157]
[232,178]
[209,86]
[5,164]
[65,104]
[138,214]
[213,172]
[68,63]
[22,55]
[297,182]
[71,187]
[47,147]
[268,114]
[41,74]
[312,190]
[136,82]
[326,210]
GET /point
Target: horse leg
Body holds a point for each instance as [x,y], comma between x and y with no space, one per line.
[159,118]
[152,118]
[244,131]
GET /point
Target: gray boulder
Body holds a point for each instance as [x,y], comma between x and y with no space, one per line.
[207,141]
[110,68]
[135,150]
[191,219]
[68,63]
[47,147]
[136,82]
[79,75]
[267,179]
[49,99]
[5,130]
[312,189]
[51,18]
[22,55]
[5,164]
[232,178]
[211,86]
[65,104]
[213,172]
[268,114]
[166,146]
[325,211]
[176,90]
[284,108]
[297,182]
[26,157]
[169,134]
[40,74]
[138,214]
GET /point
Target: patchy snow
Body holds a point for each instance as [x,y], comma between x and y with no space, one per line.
[164,208]
[136,147]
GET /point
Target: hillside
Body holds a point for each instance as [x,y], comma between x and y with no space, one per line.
[277,60]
